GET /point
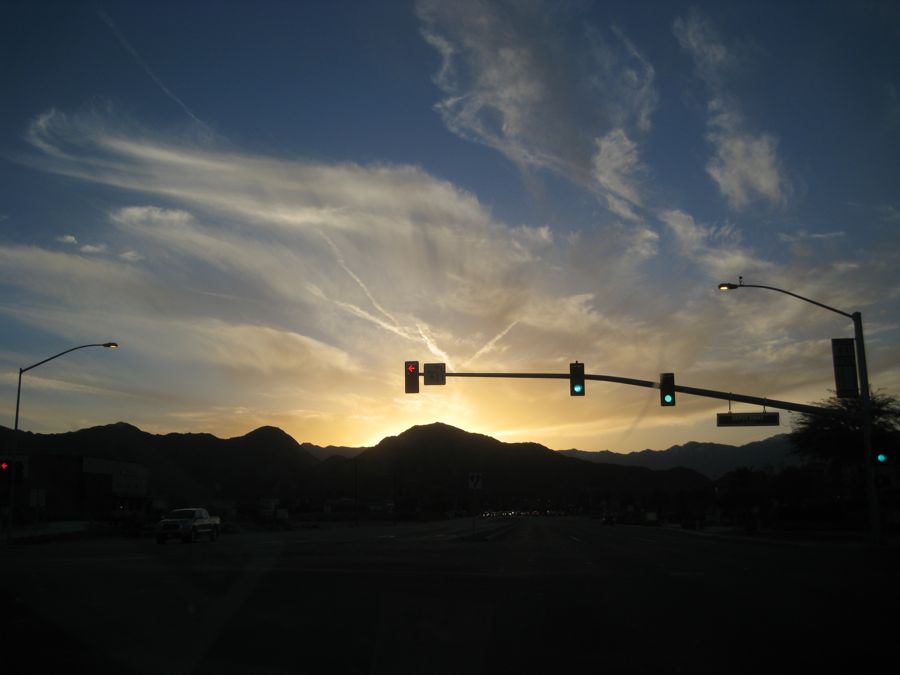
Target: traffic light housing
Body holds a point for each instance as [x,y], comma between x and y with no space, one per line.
[885,475]
[667,389]
[11,470]
[411,373]
[576,379]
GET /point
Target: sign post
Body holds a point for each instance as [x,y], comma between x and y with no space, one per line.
[843,354]
[435,373]
[476,484]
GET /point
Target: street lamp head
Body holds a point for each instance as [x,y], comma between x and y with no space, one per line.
[111,345]
[727,287]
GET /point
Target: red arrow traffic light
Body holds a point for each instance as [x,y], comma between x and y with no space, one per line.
[411,372]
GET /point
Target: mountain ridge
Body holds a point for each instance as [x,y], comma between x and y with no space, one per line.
[708,458]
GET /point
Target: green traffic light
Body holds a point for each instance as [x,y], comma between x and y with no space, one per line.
[667,389]
[881,457]
[576,379]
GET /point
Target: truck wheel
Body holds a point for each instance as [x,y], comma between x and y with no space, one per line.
[214,534]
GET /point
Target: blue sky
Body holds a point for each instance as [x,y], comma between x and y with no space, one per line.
[272,205]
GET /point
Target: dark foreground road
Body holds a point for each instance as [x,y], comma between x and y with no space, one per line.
[547,595]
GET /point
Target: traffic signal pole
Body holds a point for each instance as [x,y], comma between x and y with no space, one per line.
[650,384]
[866,419]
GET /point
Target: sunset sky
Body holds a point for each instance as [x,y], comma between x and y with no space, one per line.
[272,205]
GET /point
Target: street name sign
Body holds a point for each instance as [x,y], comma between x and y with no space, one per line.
[435,373]
[762,419]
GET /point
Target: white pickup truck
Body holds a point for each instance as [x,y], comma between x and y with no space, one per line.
[188,525]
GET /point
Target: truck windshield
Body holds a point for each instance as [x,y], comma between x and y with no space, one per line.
[182,513]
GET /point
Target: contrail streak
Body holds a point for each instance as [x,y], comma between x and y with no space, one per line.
[143,64]
[490,344]
[394,325]
[359,282]
[362,314]
[432,346]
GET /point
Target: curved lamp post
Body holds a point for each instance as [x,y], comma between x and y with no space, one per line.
[866,407]
[110,345]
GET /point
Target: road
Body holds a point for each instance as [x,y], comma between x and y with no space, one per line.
[539,594]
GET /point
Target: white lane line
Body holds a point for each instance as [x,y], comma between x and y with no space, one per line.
[574,538]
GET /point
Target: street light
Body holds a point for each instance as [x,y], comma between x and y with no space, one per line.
[108,345]
[866,412]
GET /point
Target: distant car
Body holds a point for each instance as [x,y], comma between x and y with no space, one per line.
[609,519]
[188,525]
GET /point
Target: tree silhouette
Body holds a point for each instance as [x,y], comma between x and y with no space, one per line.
[838,440]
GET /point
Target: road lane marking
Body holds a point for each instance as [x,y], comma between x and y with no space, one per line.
[574,538]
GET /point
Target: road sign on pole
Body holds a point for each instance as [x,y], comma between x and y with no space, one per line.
[762,419]
[843,354]
[435,373]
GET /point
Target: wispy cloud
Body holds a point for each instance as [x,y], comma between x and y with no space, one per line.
[616,164]
[245,295]
[67,239]
[891,106]
[888,212]
[533,82]
[93,248]
[717,249]
[377,262]
[804,235]
[745,166]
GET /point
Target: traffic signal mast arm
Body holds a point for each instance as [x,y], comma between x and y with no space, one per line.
[694,391]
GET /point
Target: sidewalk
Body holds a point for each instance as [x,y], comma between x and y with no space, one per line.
[800,537]
[36,532]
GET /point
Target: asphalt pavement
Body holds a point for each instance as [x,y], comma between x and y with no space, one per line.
[533,594]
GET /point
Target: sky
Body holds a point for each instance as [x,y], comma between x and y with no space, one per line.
[271,206]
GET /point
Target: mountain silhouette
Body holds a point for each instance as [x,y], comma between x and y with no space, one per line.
[713,460]
[424,469]
[266,461]
[429,466]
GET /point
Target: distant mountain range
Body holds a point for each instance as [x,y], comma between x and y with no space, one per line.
[201,465]
[713,460]
[425,467]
